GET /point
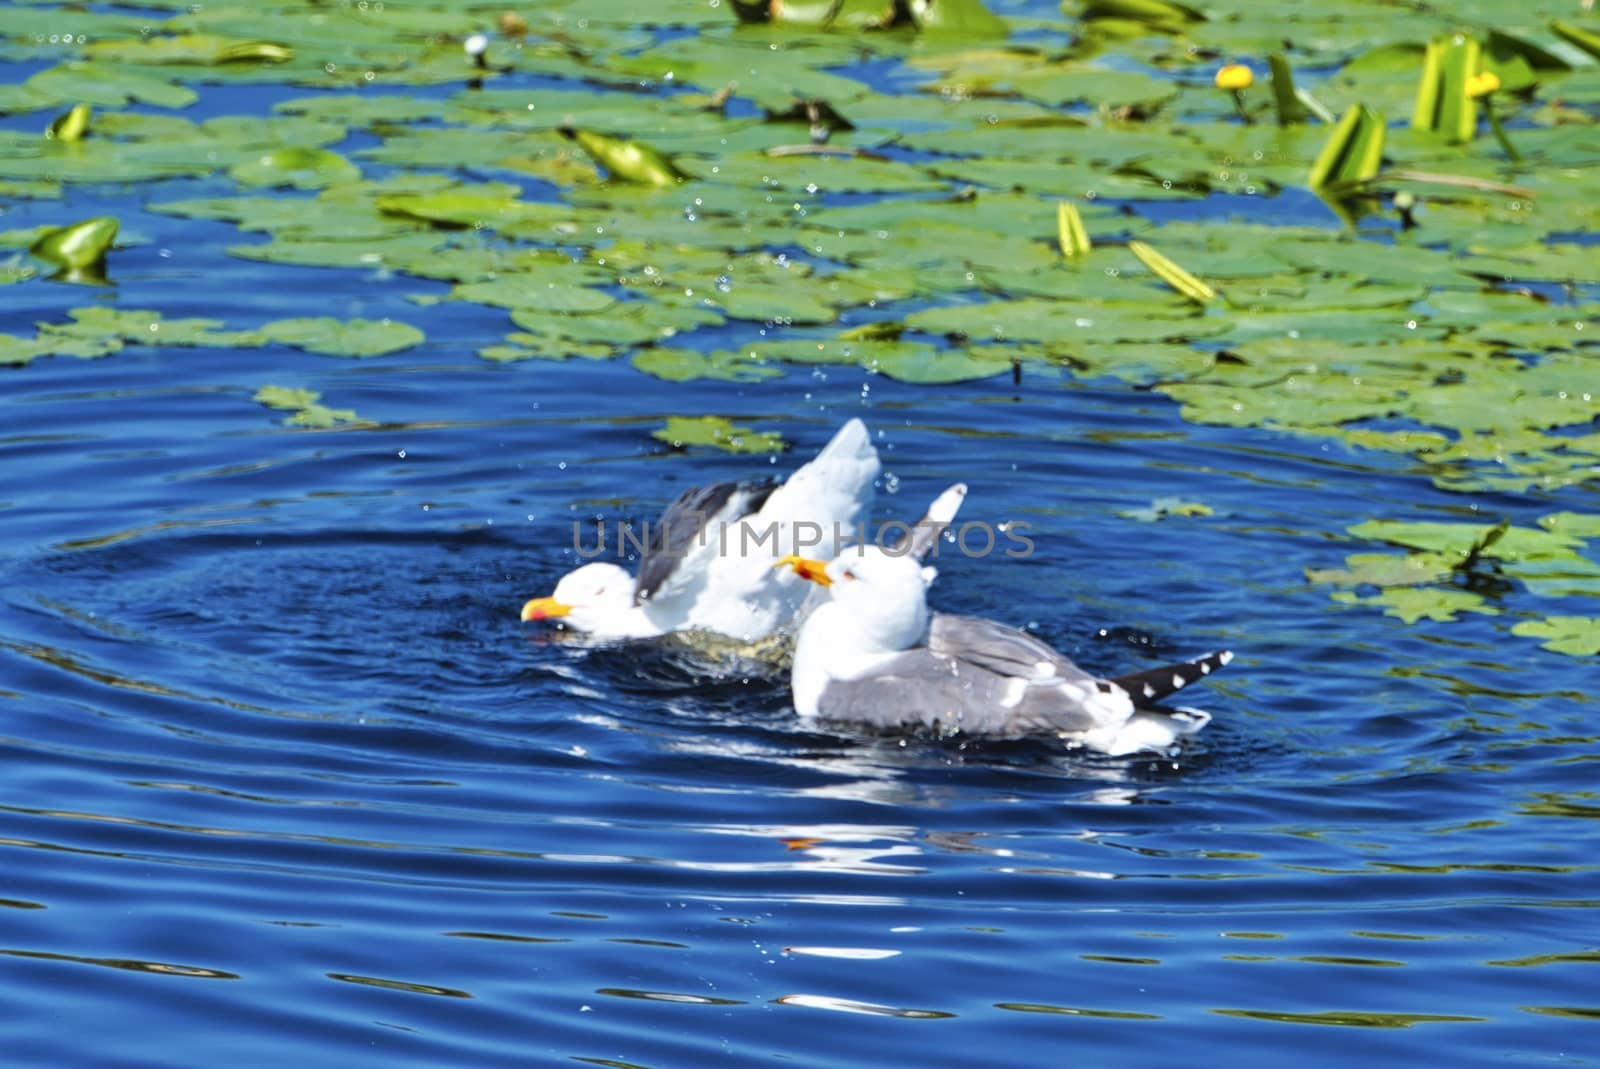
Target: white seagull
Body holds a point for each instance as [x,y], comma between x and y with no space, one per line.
[707,565]
[874,654]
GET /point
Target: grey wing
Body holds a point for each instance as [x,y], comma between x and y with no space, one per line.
[999,648]
[917,689]
[688,525]
[922,688]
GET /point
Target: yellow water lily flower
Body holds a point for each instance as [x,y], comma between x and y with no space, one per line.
[1235,76]
[1483,84]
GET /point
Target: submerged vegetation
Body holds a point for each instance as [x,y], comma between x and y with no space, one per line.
[1395,252]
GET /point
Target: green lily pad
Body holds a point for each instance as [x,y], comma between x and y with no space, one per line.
[1387,570]
[1410,604]
[335,337]
[304,408]
[1575,635]
[1518,543]
[295,167]
[716,432]
[687,365]
[1572,524]
[1163,508]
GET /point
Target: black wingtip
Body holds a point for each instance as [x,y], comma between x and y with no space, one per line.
[1154,684]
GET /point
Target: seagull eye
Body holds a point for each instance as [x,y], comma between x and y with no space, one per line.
[849,575]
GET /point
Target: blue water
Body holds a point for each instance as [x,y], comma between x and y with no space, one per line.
[285,781]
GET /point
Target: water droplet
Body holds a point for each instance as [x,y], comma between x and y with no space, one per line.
[401,454]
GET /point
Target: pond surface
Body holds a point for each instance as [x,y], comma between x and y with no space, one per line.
[285,781]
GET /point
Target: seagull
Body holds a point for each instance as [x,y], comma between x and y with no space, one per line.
[874,654]
[707,563]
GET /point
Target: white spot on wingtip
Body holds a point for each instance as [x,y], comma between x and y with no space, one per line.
[1225,657]
[1149,691]
[1177,680]
[1205,668]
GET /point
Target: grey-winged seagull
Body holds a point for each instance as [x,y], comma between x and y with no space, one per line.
[874,654]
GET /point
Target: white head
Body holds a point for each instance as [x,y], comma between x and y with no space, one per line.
[878,597]
[591,598]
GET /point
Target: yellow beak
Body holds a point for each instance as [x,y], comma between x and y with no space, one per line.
[544,609]
[806,568]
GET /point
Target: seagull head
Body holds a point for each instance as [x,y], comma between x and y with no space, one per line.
[586,598]
[881,596]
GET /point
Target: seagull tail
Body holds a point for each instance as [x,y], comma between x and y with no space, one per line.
[1154,684]
[921,538]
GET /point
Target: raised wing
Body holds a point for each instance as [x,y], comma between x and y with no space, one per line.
[685,538]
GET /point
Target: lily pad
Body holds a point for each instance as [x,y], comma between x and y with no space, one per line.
[335,337]
[304,408]
[687,365]
[716,432]
[1410,604]
[1575,635]
[1163,508]
[295,167]
[1518,543]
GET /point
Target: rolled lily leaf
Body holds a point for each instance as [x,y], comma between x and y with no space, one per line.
[1290,108]
[1160,13]
[79,248]
[1294,105]
[1070,232]
[255,52]
[1577,36]
[625,160]
[1352,152]
[70,126]
[1185,283]
[1442,104]
[753,11]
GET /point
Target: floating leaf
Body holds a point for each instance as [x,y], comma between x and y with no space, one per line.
[295,167]
[335,337]
[627,161]
[716,432]
[1166,507]
[1410,604]
[1387,570]
[1515,543]
[1576,635]
[925,365]
[687,365]
[1173,275]
[304,406]
[967,19]
[1574,524]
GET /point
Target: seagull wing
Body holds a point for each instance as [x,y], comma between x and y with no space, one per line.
[686,538]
